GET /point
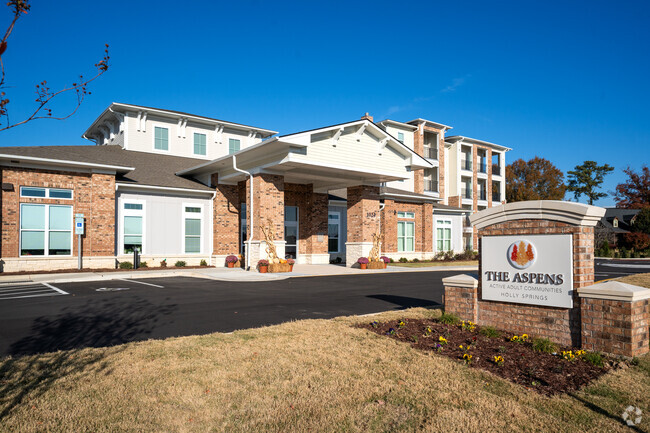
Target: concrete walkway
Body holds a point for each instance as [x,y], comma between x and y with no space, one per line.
[220,274]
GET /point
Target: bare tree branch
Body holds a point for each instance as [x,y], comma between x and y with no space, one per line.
[43,92]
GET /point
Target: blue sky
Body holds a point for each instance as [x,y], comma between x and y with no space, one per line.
[567,81]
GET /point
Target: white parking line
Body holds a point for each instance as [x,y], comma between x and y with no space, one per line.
[140,282]
[18,291]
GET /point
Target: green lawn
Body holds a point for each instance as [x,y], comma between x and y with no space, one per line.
[440,263]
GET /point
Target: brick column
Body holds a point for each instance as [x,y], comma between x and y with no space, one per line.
[268,205]
[441,166]
[363,221]
[418,147]
[226,220]
[427,228]
[461,297]
[488,184]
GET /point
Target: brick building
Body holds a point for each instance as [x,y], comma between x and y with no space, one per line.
[178,186]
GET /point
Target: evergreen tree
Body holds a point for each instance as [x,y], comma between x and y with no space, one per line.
[586,179]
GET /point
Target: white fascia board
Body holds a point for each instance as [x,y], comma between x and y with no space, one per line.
[434,124]
[300,160]
[119,185]
[409,197]
[399,124]
[463,139]
[66,163]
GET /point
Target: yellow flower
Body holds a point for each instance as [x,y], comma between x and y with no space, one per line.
[442,339]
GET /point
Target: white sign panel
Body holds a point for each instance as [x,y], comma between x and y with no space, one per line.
[79,224]
[528,269]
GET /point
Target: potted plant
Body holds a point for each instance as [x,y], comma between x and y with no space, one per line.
[231,260]
[291,262]
[263,266]
[363,262]
[163,263]
[386,261]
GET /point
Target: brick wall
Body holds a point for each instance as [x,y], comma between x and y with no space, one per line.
[226,218]
[363,213]
[455,201]
[268,196]
[312,215]
[418,147]
[615,326]
[462,301]
[93,195]
[423,225]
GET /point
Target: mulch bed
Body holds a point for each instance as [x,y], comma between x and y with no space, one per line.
[545,373]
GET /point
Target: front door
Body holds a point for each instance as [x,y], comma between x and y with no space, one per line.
[291,232]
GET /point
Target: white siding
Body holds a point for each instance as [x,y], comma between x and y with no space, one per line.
[456,231]
[408,134]
[163,222]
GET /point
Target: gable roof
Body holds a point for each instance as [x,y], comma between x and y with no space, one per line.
[133,168]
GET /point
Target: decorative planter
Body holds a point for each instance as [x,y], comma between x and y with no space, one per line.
[230,264]
[264,269]
[385,265]
[280,267]
[290,268]
[376,265]
[363,265]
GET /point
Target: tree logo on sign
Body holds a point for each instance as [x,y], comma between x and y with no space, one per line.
[522,254]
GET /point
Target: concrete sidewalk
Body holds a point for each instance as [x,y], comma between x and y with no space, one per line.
[219,274]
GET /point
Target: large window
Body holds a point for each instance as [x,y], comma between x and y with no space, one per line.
[45,230]
[133,227]
[291,232]
[443,235]
[193,220]
[161,138]
[234,145]
[199,144]
[405,236]
[333,231]
[31,191]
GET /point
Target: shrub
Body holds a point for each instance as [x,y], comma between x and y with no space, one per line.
[636,240]
[180,264]
[490,332]
[144,265]
[126,265]
[363,260]
[440,255]
[449,319]
[385,259]
[605,250]
[163,263]
[403,260]
[392,261]
[544,345]
[415,260]
[231,259]
[263,262]
[595,358]
[449,255]
[625,253]
[203,263]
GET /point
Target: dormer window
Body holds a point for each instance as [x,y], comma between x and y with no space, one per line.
[615,222]
[161,138]
[199,144]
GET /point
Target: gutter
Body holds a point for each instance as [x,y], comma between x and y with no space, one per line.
[65,162]
[250,212]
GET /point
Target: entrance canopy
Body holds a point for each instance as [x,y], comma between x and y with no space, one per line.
[337,156]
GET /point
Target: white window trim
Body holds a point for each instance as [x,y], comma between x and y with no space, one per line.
[153,127]
[207,140]
[406,237]
[228,144]
[407,215]
[46,231]
[194,216]
[47,192]
[451,234]
[338,246]
[133,212]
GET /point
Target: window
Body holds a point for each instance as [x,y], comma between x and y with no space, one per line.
[233,145]
[409,215]
[443,235]
[45,230]
[193,220]
[405,236]
[133,227]
[28,191]
[242,229]
[400,137]
[199,144]
[161,138]
[333,231]
[291,232]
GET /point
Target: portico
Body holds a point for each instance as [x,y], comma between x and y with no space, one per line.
[291,178]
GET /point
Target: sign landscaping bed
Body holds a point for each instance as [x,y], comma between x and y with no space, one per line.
[514,357]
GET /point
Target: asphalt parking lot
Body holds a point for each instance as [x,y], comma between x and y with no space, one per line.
[105,313]
[42,317]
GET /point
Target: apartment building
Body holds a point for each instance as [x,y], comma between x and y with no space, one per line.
[179,186]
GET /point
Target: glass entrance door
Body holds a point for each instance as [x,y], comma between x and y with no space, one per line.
[291,232]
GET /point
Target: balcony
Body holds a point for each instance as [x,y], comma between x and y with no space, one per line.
[482,195]
[430,152]
[482,167]
[496,170]
[496,196]
[430,185]
[466,164]
[466,193]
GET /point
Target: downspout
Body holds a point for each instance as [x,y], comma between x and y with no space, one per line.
[250,212]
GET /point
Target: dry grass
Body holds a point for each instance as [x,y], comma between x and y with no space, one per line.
[436,263]
[312,375]
[642,280]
